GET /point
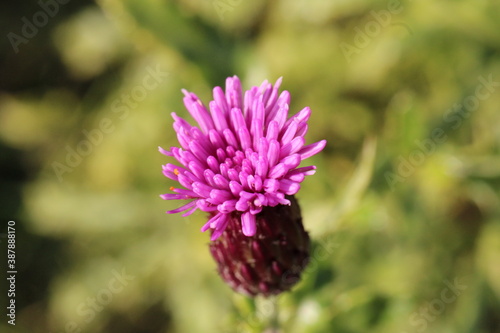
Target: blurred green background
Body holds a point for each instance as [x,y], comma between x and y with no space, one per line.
[403,210]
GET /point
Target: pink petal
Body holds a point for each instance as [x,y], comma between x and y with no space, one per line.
[182,208]
[248,224]
[312,149]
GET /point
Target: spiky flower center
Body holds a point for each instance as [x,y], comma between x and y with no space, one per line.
[243,157]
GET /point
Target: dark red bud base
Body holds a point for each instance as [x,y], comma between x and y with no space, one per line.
[269,262]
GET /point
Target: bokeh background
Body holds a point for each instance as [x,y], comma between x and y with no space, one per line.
[403,211]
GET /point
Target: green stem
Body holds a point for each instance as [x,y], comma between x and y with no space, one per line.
[268,310]
[274,323]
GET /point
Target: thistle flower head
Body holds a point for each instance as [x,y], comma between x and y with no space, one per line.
[243,156]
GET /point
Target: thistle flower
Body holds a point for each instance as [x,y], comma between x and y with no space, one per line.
[241,165]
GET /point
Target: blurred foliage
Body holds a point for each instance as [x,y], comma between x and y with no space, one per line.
[398,212]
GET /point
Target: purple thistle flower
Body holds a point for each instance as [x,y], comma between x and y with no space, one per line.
[243,156]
